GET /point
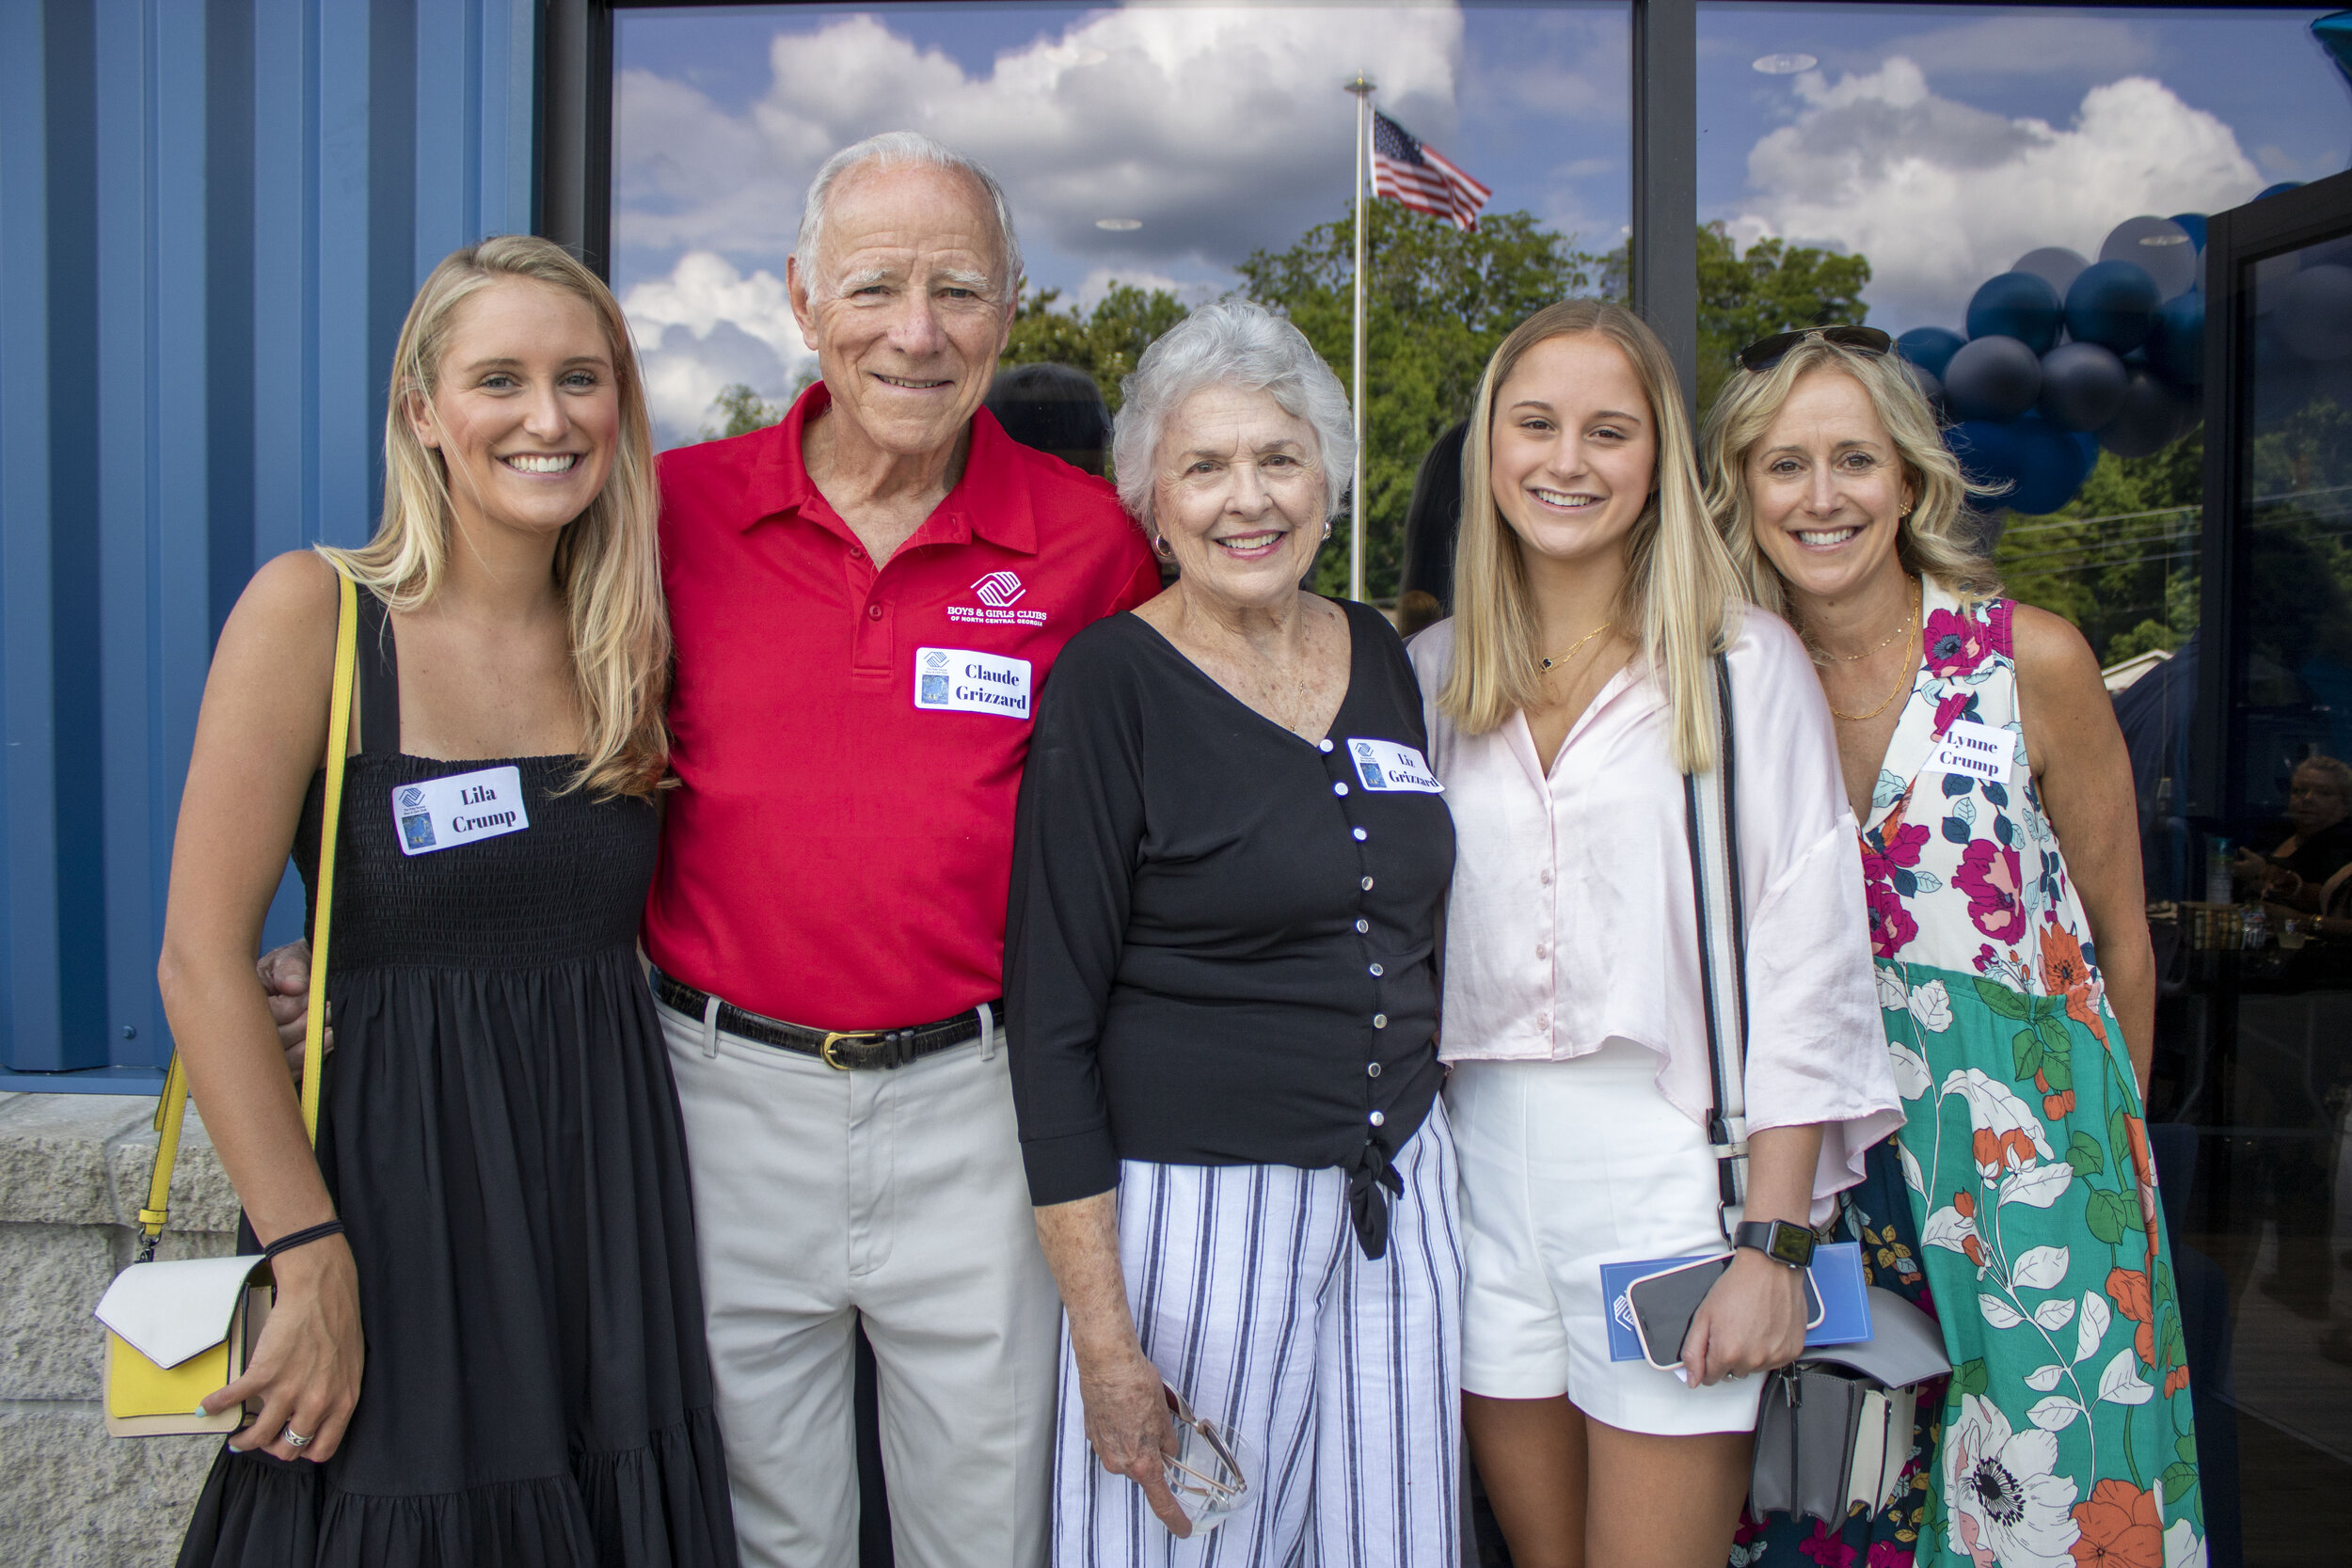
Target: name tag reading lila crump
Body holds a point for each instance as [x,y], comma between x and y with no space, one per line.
[1979,751]
[462,808]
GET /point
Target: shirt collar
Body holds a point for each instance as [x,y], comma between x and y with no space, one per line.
[991,499]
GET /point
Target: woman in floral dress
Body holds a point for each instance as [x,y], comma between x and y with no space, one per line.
[2019,1201]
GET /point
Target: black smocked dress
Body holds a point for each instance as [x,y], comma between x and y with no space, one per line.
[500,1134]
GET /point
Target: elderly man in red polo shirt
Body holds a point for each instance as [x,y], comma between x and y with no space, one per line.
[866,598]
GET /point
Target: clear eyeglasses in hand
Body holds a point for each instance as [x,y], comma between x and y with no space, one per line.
[1209,1472]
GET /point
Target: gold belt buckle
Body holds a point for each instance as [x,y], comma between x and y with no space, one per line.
[865,1037]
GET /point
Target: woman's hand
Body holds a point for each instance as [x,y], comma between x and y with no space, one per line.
[1131,1431]
[304,1372]
[1753,1321]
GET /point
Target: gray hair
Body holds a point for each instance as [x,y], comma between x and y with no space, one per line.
[903,149]
[1230,343]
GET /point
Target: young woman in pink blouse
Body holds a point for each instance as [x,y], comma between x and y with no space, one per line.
[1568,695]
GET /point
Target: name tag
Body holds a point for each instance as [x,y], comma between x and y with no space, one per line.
[1979,749]
[956,680]
[463,808]
[1385,765]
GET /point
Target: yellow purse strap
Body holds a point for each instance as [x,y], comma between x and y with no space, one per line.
[172,1107]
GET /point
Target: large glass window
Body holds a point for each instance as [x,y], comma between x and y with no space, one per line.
[1156,156]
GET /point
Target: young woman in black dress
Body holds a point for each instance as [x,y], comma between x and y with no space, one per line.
[501,1360]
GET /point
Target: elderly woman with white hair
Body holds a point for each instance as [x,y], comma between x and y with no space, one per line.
[1227,868]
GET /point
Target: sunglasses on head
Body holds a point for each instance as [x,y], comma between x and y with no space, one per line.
[1763,354]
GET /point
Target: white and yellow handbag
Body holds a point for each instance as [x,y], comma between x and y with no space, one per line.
[178,1331]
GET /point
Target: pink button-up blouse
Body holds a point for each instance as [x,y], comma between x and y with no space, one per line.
[1571,921]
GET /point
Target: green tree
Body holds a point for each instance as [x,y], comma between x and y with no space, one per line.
[2119,560]
[740,409]
[1769,288]
[1104,343]
[1437,301]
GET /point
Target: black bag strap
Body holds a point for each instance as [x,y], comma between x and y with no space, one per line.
[1713,828]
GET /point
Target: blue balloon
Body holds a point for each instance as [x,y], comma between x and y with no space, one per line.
[2195,224]
[1993,377]
[2151,418]
[2082,386]
[2279,189]
[2176,340]
[2050,467]
[2016,305]
[1930,348]
[2111,304]
[1988,452]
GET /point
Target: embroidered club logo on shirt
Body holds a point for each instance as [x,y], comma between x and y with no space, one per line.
[1385,765]
[958,680]
[1978,749]
[997,591]
[463,808]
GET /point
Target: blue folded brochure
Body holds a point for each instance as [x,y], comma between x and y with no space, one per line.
[1836,1277]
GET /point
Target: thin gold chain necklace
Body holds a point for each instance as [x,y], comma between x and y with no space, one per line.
[1575,648]
[1902,678]
[1856,659]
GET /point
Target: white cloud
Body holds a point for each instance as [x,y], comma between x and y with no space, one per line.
[1214,125]
[705,326]
[1940,196]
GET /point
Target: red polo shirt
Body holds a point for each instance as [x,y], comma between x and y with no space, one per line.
[849,741]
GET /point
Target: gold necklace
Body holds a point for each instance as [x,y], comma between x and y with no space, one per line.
[1575,648]
[1856,659]
[1902,678]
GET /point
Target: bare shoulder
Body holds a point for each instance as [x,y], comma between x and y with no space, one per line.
[2053,662]
[281,634]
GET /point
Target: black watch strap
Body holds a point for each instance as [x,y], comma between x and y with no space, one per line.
[1777,1239]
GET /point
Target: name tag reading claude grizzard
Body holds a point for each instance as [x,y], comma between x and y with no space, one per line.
[958,680]
[1978,749]
[463,808]
[1385,765]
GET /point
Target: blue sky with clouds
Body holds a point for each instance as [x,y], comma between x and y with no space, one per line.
[1941,142]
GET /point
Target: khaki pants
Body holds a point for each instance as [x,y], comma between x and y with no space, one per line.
[898,1194]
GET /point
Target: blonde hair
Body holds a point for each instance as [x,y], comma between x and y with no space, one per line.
[1680,589]
[1937,537]
[607,564]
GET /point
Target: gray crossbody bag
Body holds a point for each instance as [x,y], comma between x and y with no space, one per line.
[1835,1426]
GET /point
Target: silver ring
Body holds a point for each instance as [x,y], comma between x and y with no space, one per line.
[293,1439]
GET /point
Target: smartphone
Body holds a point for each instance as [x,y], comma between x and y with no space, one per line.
[1666,1302]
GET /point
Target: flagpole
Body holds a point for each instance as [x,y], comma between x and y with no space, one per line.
[1361,86]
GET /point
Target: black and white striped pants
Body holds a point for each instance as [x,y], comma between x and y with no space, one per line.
[1343,1374]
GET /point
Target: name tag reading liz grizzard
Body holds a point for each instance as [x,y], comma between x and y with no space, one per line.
[958,680]
[463,808]
[1978,749]
[1385,765]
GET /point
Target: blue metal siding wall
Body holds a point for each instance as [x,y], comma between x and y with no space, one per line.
[213,214]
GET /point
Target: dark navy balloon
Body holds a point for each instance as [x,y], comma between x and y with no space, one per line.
[2150,418]
[2176,340]
[1993,378]
[1930,348]
[2082,386]
[2112,304]
[1989,454]
[2050,467]
[2015,305]
[2195,224]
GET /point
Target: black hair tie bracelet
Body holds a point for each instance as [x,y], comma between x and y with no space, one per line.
[302,1237]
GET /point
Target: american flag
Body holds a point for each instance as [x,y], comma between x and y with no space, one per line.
[1421,177]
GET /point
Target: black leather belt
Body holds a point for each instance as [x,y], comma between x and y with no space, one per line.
[840,1048]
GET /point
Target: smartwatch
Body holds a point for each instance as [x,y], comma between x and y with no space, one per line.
[1777,1239]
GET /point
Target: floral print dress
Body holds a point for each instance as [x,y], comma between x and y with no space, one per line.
[2021,1184]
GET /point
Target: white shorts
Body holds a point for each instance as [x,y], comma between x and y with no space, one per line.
[1567,1166]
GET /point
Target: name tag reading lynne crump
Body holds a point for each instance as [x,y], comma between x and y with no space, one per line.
[1385,765]
[958,680]
[463,808]
[1979,751]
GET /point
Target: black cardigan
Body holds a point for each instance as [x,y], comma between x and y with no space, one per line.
[1221,942]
